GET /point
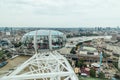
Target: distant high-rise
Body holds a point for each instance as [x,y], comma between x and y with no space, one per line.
[114,36]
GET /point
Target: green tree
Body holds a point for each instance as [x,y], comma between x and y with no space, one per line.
[115,64]
[80,63]
[117,76]
[73,50]
[17,44]
[92,72]
[101,75]
[2,55]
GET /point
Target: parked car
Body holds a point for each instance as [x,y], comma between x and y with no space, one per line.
[3,63]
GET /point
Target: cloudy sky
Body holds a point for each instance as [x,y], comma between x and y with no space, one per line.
[60,13]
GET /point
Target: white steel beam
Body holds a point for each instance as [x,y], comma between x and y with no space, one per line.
[35,76]
[44,66]
[23,66]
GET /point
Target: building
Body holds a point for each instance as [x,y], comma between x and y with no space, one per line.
[119,63]
[88,54]
[114,36]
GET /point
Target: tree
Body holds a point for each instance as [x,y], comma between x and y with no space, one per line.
[17,44]
[2,55]
[117,76]
[92,72]
[101,75]
[73,50]
[80,63]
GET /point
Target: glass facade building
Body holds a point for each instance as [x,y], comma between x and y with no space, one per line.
[44,39]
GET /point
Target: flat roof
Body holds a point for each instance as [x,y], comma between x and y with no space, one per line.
[89,48]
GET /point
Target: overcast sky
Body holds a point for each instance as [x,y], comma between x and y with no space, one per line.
[60,13]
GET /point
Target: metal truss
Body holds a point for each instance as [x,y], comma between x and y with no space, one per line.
[44,66]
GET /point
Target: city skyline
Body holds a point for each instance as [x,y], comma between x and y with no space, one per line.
[59,13]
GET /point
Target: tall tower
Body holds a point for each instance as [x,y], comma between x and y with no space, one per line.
[101,58]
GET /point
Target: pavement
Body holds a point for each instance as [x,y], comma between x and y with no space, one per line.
[13,64]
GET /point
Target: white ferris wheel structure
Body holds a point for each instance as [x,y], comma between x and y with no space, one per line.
[50,65]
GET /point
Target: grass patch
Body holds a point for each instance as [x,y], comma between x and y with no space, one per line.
[90,78]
